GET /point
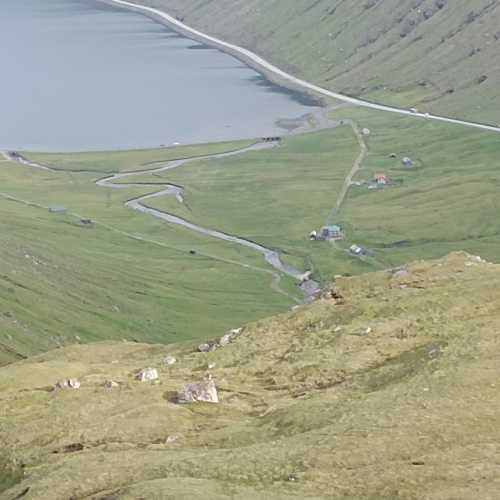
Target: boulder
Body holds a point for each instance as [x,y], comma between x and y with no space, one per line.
[147,375]
[204,391]
[229,336]
[225,340]
[169,360]
[207,347]
[70,383]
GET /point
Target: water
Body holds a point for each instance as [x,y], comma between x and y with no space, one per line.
[81,75]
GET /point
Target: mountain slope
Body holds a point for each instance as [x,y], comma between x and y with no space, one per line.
[443,55]
[387,388]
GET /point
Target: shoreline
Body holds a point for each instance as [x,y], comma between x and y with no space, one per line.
[179,27]
[277,75]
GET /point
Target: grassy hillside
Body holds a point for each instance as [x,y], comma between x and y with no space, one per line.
[440,54]
[447,201]
[390,390]
[131,276]
[127,276]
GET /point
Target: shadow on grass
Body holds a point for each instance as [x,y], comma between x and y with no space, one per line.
[10,475]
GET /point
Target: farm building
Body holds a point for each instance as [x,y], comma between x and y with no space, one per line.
[331,232]
[380,179]
[407,162]
[57,209]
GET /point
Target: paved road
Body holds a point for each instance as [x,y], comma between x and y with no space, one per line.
[261,63]
[271,256]
[21,159]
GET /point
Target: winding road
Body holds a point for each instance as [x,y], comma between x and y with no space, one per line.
[257,62]
[262,65]
[272,257]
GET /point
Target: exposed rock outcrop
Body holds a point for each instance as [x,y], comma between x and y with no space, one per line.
[147,375]
[204,391]
[70,383]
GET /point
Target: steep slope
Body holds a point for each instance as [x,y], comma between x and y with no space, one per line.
[442,54]
[386,388]
[123,276]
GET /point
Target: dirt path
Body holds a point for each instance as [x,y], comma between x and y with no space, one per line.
[273,72]
[356,166]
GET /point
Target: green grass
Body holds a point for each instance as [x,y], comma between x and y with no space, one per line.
[448,201]
[408,411]
[119,161]
[276,197]
[63,282]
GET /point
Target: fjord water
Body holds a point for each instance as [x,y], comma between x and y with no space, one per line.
[81,75]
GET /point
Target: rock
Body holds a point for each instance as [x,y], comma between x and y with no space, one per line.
[147,375]
[169,360]
[204,391]
[111,384]
[366,131]
[363,332]
[211,366]
[225,340]
[207,347]
[306,276]
[70,383]
[230,336]
[171,439]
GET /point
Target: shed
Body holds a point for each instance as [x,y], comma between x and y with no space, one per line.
[407,162]
[331,231]
[380,179]
[57,209]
